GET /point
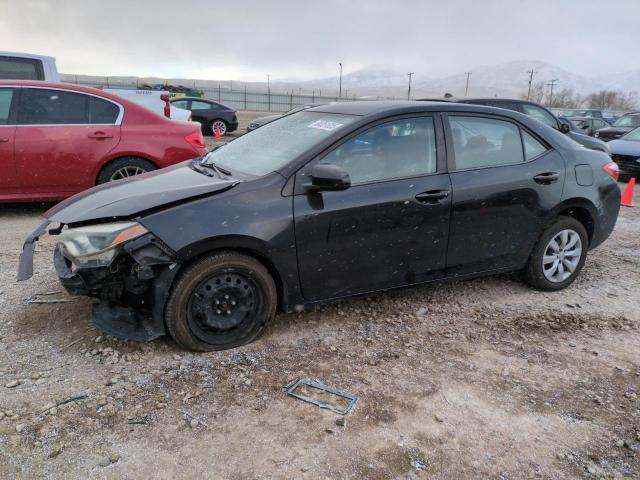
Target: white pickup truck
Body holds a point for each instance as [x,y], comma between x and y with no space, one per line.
[26,66]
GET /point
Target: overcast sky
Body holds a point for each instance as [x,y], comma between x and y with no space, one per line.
[299,39]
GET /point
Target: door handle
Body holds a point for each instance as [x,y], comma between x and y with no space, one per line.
[3,139]
[547,178]
[432,196]
[99,135]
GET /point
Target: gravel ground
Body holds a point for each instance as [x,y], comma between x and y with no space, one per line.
[478,379]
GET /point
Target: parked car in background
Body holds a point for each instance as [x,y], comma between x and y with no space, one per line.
[625,151]
[260,121]
[58,139]
[211,115]
[588,125]
[594,113]
[27,66]
[539,113]
[623,125]
[334,201]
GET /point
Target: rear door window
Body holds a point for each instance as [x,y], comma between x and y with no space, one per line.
[484,142]
[6,95]
[102,111]
[43,106]
[532,147]
[15,68]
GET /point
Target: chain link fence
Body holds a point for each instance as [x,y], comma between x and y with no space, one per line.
[238,99]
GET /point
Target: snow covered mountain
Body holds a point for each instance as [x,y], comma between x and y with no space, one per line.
[504,80]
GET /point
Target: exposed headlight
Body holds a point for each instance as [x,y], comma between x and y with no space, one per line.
[97,245]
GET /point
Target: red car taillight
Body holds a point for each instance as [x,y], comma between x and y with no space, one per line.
[195,139]
[167,105]
[612,169]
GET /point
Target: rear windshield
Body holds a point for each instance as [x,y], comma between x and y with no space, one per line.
[275,144]
[14,68]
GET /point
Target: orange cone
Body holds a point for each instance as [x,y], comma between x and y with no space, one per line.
[218,133]
[627,195]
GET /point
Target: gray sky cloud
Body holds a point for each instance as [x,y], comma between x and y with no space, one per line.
[246,39]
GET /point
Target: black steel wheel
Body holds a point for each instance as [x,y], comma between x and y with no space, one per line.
[222,301]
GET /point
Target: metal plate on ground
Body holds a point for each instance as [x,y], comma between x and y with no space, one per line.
[313,383]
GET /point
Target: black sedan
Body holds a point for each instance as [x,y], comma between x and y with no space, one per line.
[327,203]
[588,125]
[210,114]
[623,125]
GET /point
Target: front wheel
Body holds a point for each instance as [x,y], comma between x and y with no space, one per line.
[221,301]
[558,256]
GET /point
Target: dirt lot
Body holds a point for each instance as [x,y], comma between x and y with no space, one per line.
[480,379]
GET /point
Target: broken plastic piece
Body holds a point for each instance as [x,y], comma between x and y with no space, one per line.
[46,298]
[310,382]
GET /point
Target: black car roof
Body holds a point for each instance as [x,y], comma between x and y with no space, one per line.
[374,107]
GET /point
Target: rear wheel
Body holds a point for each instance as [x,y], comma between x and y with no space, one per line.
[222,301]
[559,255]
[220,124]
[124,168]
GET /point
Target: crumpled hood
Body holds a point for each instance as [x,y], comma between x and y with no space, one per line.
[625,147]
[126,198]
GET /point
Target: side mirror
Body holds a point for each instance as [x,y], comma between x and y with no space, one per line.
[564,128]
[325,176]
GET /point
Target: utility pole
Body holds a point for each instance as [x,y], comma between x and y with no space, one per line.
[410,74]
[268,93]
[340,90]
[531,73]
[466,88]
[551,84]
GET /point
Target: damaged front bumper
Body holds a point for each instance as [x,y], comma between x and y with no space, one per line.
[132,289]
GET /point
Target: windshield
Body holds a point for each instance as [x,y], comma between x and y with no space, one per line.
[633,135]
[628,121]
[275,144]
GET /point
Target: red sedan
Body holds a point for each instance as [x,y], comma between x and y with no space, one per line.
[57,140]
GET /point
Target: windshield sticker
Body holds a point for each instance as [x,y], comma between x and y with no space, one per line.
[327,125]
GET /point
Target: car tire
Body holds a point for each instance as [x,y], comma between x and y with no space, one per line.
[221,301]
[123,168]
[218,123]
[562,245]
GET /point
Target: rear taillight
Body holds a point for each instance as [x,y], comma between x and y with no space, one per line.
[195,139]
[612,169]
[167,105]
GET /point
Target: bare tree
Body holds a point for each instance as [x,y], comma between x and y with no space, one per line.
[566,98]
[537,93]
[612,100]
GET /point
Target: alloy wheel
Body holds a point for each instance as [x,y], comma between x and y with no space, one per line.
[220,125]
[126,172]
[562,256]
